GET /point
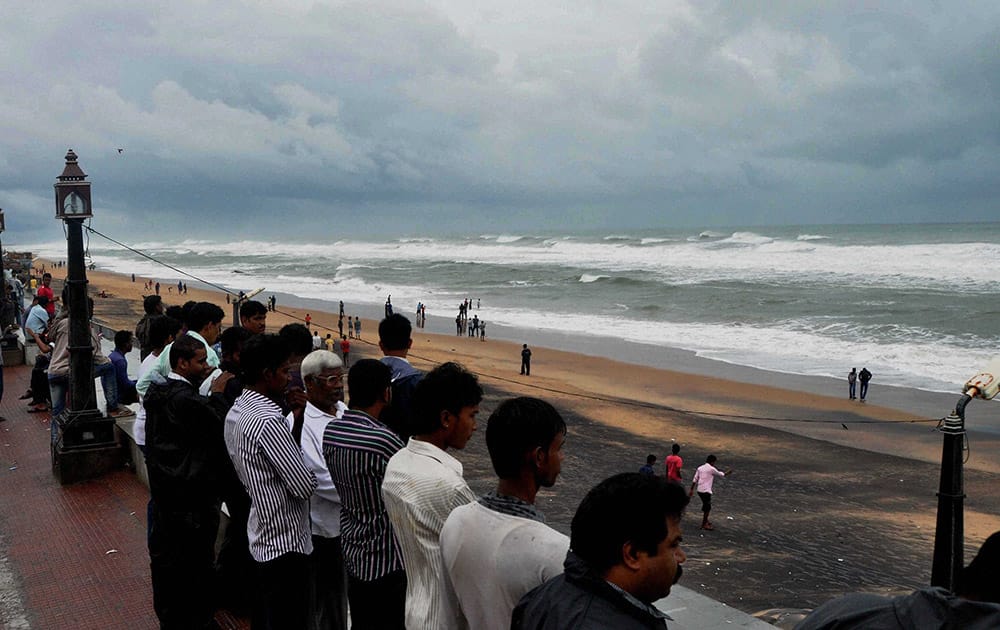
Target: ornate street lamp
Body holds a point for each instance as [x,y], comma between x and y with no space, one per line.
[85,444]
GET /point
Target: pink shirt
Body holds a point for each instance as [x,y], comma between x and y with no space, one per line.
[674,464]
[705,476]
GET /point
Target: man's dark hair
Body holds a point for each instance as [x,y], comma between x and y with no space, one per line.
[367,381]
[394,332]
[517,427]
[184,347]
[42,300]
[711,459]
[46,275]
[122,338]
[981,579]
[150,304]
[250,308]
[676,448]
[175,312]
[650,459]
[628,507]
[233,338]
[203,314]
[260,353]
[298,338]
[448,387]
[162,328]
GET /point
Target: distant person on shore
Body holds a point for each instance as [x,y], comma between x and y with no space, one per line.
[269,462]
[157,288]
[185,456]
[317,341]
[152,305]
[395,340]
[357,447]
[308,320]
[126,386]
[357,327]
[674,464]
[647,468]
[331,343]
[525,360]
[852,380]
[625,553]
[975,605]
[323,375]
[864,376]
[388,305]
[458,325]
[423,484]
[498,548]
[341,308]
[345,350]
[253,316]
[340,326]
[703,480]
[350,327]
[482,330]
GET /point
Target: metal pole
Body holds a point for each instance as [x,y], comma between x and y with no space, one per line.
[949,537]
[83,396]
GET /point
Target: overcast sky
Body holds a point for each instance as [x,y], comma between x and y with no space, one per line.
[351,119]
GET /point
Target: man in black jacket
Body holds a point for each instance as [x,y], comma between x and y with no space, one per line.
[625,554]
[186,455]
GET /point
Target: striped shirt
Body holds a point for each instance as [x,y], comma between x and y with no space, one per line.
[357,448]
[423,484]
[269,464]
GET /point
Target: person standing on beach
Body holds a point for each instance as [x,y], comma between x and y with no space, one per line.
[345,350]
[357,447]
[864,376]
[498,548]
[317,341]
[308,320]
[157,288]
[423,484]
[647,468]
[350,327]
[46,291]
[704,478]
[331,343]
[525,360]
[357,327]
[674,464]
[852,379]
[482,330]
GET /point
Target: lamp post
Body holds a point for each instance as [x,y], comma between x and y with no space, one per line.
[8,312]
[949,533]
[85,444]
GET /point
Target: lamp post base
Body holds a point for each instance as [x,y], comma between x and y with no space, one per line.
[86,446]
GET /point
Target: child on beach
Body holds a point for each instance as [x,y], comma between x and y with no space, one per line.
[648,468]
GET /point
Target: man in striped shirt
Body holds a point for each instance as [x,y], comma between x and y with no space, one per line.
[269,463]
[423,484]
[357,448]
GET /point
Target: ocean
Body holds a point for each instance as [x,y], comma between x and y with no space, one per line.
[917,304]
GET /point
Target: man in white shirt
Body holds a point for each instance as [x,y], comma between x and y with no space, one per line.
[423,484]
[323,376]
[499,548]
[704,478]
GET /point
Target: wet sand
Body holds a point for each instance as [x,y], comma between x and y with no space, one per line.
[814,510]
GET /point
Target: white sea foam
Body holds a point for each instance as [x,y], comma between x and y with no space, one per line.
[588,278]
[812,237]
[654,240]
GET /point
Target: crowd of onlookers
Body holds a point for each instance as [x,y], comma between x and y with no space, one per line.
[333,507]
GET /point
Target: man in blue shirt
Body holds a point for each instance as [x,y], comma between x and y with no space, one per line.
[126,386]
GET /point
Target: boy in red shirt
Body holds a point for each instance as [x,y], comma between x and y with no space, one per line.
[674,464]
[345,349]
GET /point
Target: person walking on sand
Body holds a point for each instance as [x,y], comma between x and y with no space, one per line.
[674,464]
[703,479]
[357,327]
[525,360]
[852,380]
[864,376]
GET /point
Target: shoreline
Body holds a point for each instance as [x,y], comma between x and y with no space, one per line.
[813,511]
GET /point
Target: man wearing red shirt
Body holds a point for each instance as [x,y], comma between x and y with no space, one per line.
[674,464]
[46,291]
[345,349]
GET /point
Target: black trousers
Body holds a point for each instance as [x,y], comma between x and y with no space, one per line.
[379,604]
[236,568]
[282,594]
[329,584]
[181,554]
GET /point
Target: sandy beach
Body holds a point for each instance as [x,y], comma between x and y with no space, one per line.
[813,510]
